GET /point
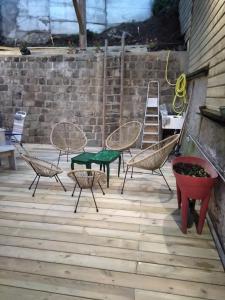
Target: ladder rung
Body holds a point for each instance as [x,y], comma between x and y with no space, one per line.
[115,67]
[149,142]
[112,77]
[151,133]
[151,115]
[151,124]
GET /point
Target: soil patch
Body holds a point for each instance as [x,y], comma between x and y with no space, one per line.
[190,170]
[159,32]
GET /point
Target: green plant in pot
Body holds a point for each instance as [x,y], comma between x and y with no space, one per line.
[23,49]
[152,45]
[195,178]
[98,47]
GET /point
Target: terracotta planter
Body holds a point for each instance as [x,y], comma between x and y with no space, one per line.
[189,187]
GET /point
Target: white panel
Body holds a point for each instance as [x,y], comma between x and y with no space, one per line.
[99,4]
[95,27]
[23,6]
[94,15]
[64,27]
[38,8]
[172,122]
[36,14]
[29,24]
[152,102]
[62,11]
[96,11]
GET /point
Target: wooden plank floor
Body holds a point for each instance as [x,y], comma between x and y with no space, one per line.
[131,249]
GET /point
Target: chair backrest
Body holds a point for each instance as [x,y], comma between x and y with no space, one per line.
[67,136]
[86,178]
[125,136]
[156,155]
[41,166]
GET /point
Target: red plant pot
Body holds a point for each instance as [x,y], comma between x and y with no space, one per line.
[194,188]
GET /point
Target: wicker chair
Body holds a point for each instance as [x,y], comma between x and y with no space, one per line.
[152,158]
[124,137]
[42,168]
[87,179]
[67,138]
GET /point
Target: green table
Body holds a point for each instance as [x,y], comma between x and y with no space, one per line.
[83,159]
[102,158]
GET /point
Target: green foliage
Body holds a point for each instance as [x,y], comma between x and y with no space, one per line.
[162,5]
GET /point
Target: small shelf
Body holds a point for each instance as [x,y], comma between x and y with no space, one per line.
[213,115]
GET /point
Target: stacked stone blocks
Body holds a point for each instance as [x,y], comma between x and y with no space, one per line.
[70,87]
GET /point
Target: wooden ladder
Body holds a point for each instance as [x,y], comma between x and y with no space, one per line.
[113,87]
[150,134]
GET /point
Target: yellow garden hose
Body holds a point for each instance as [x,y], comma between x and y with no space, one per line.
[180,90]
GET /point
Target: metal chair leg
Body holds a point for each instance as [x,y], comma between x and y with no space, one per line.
[33,182]
[78,201]
[101,188]
[132,171]
[36,185]
[94,199]
[130,152]
[124,180]
[165,179]
[60,182]
[74,189]
[59,158]
[123,161]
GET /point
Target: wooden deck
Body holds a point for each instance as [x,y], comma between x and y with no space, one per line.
[132,249]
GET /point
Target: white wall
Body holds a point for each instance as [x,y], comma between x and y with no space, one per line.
[63,17]
[37,19]
[32,15]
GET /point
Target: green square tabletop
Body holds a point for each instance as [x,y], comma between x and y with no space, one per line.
[83,159]
[105,157]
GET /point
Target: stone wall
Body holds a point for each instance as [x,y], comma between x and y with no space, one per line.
[69,87]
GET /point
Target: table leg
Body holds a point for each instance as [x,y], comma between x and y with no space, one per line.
[108,171]
[88,165]
[72,166]
[119,166]
[12,162]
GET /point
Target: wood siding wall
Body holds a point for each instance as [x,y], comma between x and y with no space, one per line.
[207,44]
[207,47]
[185,8]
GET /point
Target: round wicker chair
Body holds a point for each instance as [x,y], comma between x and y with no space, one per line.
[67,138]
[87,179]
[153,157]
[124,137]
[42,168]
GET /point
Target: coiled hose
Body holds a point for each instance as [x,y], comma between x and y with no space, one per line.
[180,90]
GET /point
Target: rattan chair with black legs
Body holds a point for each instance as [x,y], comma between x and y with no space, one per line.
[42,168]
[67,138]
[152,158]
[87,179]
[124,137]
